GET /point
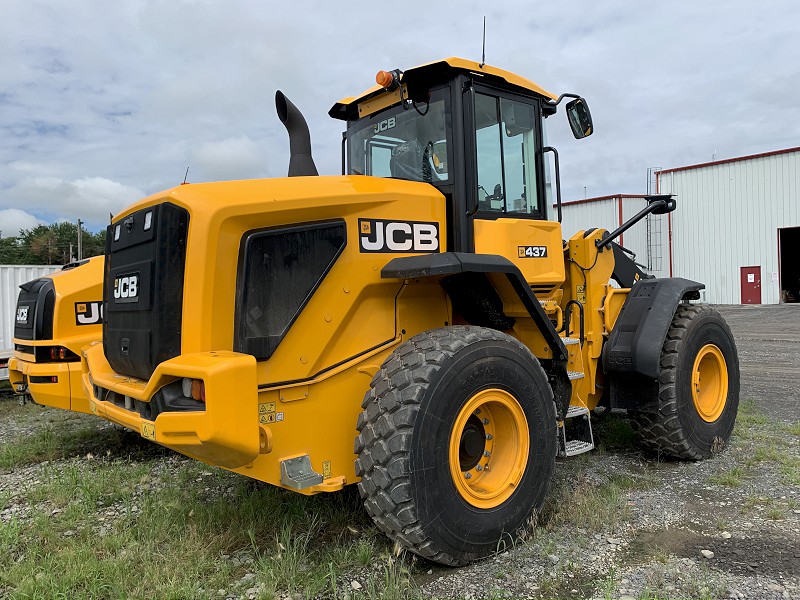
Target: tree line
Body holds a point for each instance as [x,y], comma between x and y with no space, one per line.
[50,245]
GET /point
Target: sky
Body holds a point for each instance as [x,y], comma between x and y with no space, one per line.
[103,103]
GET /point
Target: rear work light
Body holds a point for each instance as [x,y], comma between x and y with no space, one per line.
[194,389]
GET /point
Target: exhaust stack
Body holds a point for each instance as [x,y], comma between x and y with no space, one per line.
[301,164]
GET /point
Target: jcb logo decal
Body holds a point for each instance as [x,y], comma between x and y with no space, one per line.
[377,235]
[382,126]
[22,314]
[88,313]
[126,288]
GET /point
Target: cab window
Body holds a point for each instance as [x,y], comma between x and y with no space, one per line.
[406,141]
[505,136]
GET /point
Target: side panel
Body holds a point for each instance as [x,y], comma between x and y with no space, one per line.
[535,247]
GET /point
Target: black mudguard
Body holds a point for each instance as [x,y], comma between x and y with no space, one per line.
[632,355]
[464,276]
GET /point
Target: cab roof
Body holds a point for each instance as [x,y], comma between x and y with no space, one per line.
[346,109]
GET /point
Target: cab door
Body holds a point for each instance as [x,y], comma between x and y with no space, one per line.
[510,203]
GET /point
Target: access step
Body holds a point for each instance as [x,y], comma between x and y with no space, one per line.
[575,432]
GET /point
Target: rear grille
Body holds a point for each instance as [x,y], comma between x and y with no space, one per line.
[33,319]
[143,289]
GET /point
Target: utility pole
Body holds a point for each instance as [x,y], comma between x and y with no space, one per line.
[80,245]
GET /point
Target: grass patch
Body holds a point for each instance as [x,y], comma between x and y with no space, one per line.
[730,478]
[615,433]
[107,529]
[794,428]
[595,506]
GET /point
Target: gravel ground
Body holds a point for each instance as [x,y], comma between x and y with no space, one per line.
[723,528]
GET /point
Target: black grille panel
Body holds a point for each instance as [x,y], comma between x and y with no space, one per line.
[36,302]
[279,270]
[143,289]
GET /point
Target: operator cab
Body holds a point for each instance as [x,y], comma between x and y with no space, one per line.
[471,130]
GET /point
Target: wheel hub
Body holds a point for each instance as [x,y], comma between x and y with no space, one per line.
[489,448]
[709,383]
[473,441]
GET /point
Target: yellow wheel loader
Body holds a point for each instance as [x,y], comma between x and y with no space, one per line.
[416,326]
[56,316]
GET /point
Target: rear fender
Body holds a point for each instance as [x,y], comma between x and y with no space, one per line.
[481,287]
[632,355]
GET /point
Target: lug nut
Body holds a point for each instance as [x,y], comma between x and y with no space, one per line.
[489,436]
[478,468]
[485,421]
[477,411]
[467,475]
[486,453]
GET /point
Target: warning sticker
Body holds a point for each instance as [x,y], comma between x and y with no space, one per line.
[326,469]
[268,407]
[580,292]
[267,418]
[149,431]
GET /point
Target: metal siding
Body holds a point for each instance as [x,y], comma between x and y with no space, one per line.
[605,214]
[11,277]
[578,217]
[728,217]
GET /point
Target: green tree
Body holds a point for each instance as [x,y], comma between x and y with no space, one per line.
[55,244]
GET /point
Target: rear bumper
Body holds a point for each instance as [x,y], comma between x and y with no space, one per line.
[49,384]
[225,433]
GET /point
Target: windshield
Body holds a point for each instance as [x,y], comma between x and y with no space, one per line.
[407,141]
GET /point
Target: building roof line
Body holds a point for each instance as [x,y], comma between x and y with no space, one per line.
[601,198]
[729,160]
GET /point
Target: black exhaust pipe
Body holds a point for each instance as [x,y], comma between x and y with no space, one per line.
[301,164]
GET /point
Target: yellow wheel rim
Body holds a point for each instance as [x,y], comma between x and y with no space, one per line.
[489,446]
[709,383]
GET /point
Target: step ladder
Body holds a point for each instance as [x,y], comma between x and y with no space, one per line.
[575,432]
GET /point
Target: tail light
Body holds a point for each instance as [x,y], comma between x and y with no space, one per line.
[194,389]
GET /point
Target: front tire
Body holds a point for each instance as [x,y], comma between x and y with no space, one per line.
[698,388]
[457,443]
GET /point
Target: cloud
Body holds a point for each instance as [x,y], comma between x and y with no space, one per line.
[232,158]
[14,219]
[90,198]
[101,104]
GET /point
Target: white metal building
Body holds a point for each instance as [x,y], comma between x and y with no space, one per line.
[736,227]
[647,239]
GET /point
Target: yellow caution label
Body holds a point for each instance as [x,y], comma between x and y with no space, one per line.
[266,418]
[326,469]
[366,227]
[80,307]
[581,293]
[149,431]
[267,407]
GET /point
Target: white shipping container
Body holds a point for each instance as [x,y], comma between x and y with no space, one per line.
[11,277]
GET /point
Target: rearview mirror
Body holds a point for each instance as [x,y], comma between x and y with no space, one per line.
[580,119]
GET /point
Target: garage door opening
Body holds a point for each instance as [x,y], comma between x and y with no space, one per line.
[789,263]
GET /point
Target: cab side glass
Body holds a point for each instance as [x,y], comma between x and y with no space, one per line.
[580,119]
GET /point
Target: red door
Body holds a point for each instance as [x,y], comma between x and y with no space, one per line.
[751,285]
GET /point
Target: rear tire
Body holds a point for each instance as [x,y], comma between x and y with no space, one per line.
[438,405]
[698,394]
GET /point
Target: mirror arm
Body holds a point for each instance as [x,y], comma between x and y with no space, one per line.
[558,179]
[561,97]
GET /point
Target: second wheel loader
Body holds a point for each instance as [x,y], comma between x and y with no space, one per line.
[416,326]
